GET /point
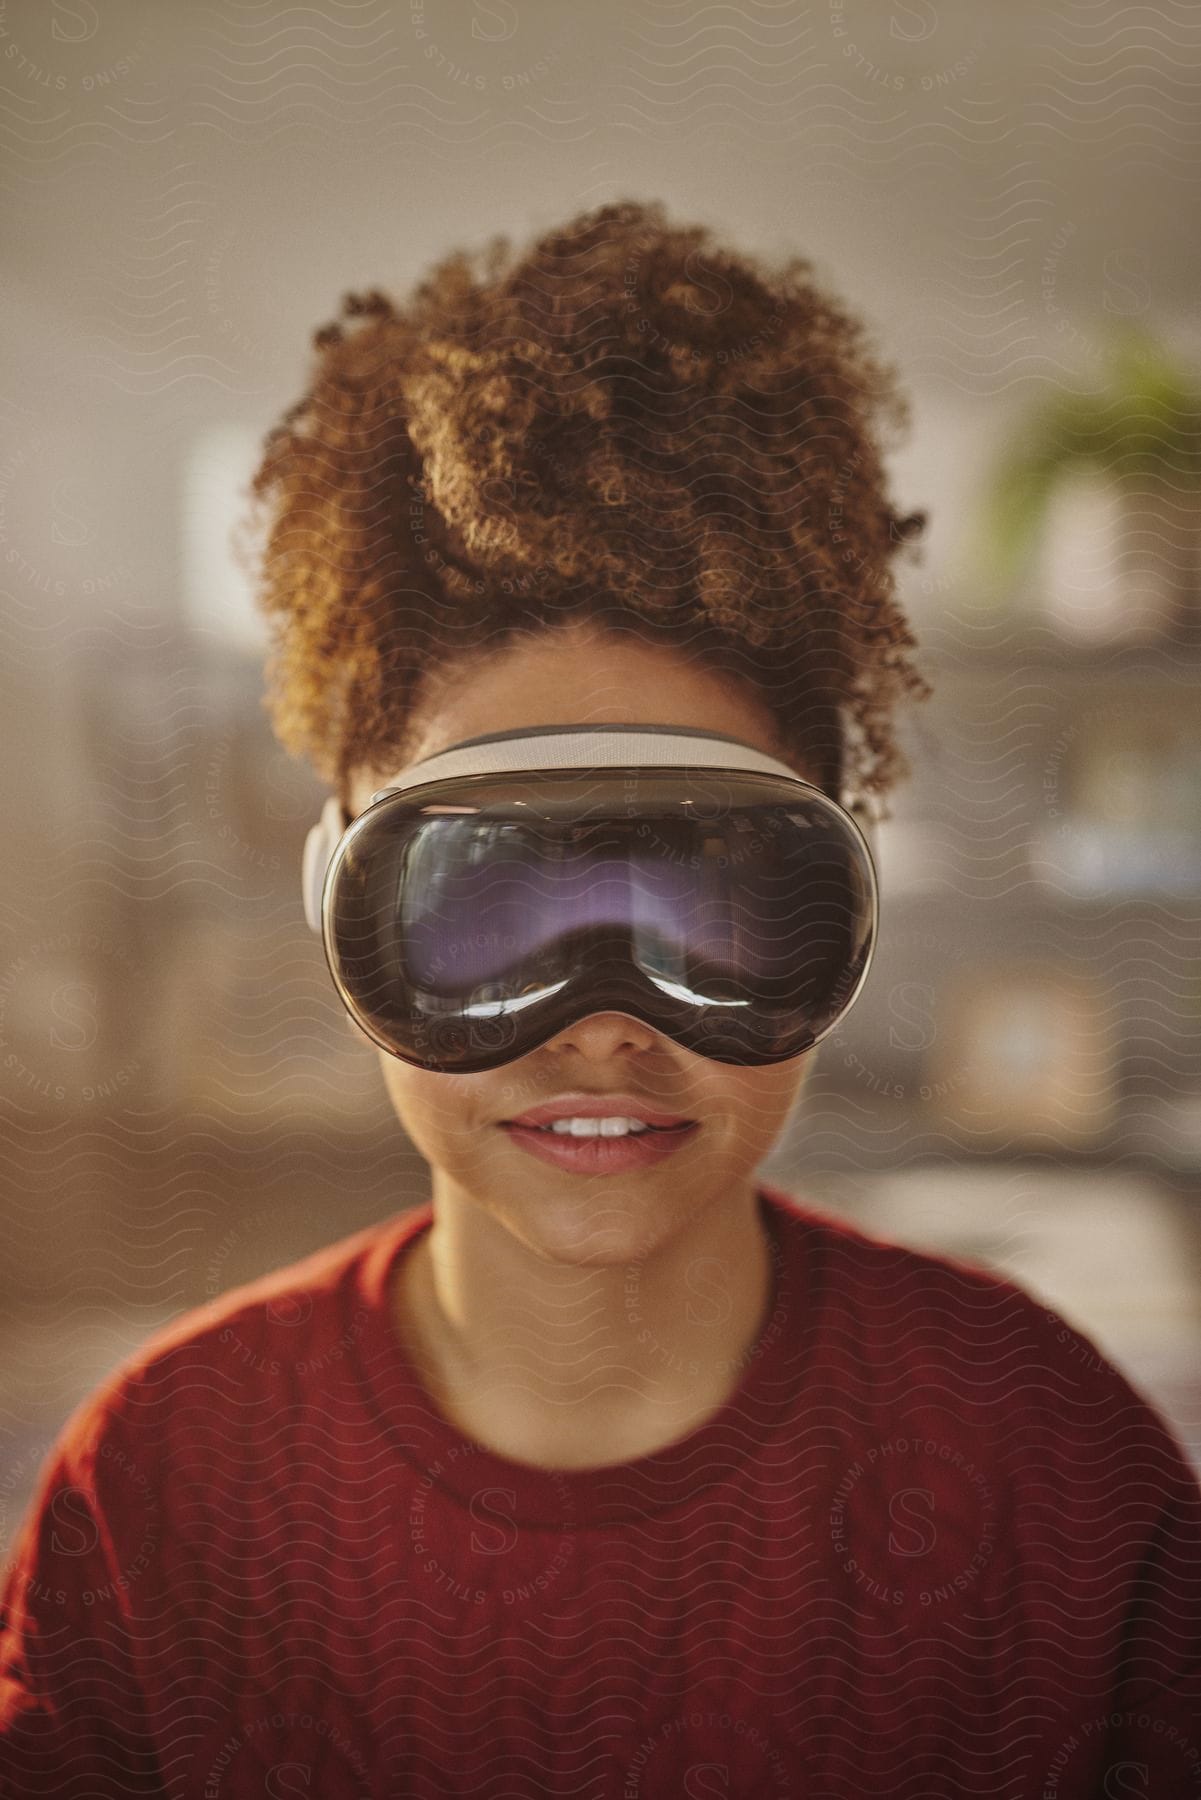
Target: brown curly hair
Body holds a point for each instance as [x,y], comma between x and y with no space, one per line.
[624,425]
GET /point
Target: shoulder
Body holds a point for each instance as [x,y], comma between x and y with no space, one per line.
[916,1321]
[845,1267]
[256,1347]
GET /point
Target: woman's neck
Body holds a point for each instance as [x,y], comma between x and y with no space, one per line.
[574,1366]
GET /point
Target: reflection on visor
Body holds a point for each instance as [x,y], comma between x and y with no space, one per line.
[476,906]
[463,939]
[496,1009]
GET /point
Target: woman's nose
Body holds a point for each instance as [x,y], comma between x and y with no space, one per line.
[600,1036]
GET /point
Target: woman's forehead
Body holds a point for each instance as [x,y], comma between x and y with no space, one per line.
[563,679]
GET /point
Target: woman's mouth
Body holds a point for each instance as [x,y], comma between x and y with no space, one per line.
[585,1149]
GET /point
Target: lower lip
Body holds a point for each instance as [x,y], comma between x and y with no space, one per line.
[601,1155]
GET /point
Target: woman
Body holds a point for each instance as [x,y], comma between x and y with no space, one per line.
[609,1471]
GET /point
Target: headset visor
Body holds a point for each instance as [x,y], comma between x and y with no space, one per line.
[467,921]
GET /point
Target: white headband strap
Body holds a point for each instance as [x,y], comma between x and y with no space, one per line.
[587,747]
[547,747]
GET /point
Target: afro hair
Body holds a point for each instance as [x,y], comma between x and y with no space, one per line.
[625,425]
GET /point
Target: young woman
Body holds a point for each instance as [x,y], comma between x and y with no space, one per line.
[609,1471]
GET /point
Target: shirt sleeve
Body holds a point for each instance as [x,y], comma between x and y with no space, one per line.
[71,1715]
[1130,1498]
[1153,1733]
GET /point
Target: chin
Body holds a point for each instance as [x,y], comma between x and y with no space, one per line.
[600,1230]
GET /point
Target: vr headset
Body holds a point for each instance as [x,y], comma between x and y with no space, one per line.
[493,894]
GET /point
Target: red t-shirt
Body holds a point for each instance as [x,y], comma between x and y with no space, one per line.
[933,1545]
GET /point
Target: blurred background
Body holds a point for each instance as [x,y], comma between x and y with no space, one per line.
[1004,193]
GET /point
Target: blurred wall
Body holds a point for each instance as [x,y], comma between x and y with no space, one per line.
[188,192]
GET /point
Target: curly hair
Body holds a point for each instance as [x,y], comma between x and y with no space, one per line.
[623,425]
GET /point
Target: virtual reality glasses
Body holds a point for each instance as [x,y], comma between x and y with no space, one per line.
[502,890]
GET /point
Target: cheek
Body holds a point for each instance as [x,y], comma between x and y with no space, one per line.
[435,1110]
[762,1098]
[419,1108]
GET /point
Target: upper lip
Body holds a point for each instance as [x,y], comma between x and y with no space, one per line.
[596,1106]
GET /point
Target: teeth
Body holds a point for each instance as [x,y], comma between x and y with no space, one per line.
[596,1127]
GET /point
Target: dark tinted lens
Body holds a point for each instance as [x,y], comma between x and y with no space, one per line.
[776,907]
[499,900]
[761,914]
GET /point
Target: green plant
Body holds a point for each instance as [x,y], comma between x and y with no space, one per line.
[1141,425]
